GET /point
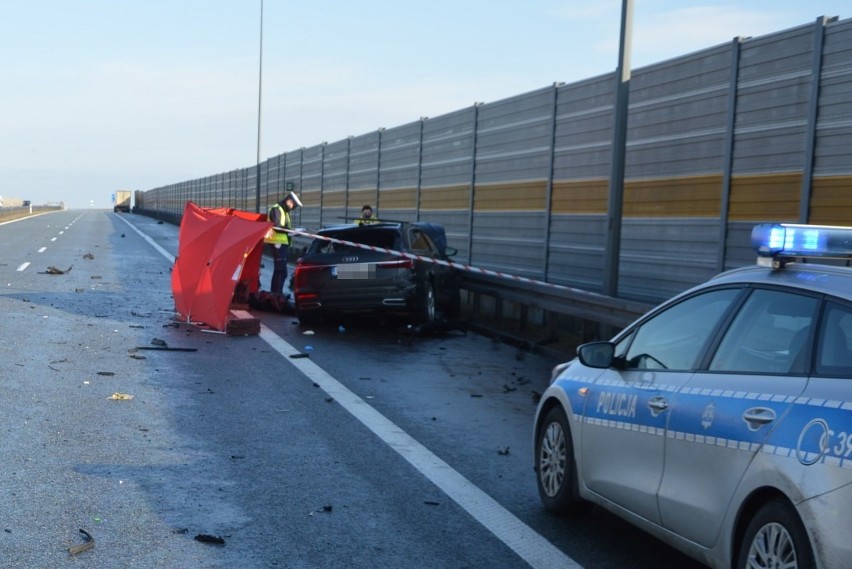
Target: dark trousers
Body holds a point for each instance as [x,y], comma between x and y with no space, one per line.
[279,268]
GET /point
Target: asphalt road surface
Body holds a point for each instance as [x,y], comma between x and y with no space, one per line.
[383,448]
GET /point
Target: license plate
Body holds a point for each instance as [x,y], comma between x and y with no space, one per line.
[354,271]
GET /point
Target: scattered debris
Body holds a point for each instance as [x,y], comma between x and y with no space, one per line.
[51,270]
[158,342]
[180,530]
[503,451]
[166,349]
[536,396]
[508,388]
[95,277]
[120,397]
[300,355]
[108,373]
[476,395]
[87,544]
[431,503]
[89,256]
[206,538]
[138,357]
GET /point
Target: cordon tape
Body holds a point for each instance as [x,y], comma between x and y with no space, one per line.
[459,266]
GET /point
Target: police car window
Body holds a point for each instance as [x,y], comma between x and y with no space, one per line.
[674,338]
[770,334]
[834,354]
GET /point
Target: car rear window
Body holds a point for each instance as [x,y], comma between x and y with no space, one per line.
[384,238]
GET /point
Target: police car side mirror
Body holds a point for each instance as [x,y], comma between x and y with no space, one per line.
[597,354]
[451,252]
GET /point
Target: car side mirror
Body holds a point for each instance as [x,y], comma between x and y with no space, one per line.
[450,251]
[597,354]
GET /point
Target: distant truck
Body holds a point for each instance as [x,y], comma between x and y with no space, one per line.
[121,201]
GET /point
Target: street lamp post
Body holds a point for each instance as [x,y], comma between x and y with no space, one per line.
[612,251]
[259,100]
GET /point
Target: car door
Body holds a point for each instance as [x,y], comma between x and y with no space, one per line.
[626,409]
[723,415]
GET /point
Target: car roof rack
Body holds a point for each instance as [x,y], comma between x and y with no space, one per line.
[780,243]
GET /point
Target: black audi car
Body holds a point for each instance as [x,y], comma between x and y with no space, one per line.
[351,269]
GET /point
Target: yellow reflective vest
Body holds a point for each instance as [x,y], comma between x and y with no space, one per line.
[279,237]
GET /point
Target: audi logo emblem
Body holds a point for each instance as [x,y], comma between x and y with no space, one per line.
[350,259]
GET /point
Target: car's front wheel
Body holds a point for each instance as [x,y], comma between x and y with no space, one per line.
[555,465]
[775,537]
[426,305]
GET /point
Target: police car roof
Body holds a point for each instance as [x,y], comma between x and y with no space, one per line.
[817,277]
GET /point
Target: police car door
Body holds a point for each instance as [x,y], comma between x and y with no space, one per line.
[626,410]
[722,416]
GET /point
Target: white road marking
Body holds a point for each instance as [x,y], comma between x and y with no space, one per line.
[53,239]
[24,266]
[150,241]
[518,536]
[42,250]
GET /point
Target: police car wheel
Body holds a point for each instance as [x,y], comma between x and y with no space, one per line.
[555,466]
[775,537]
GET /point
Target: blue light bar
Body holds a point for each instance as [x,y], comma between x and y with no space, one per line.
[787,240]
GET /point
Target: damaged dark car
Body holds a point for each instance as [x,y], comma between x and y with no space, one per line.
[358,269]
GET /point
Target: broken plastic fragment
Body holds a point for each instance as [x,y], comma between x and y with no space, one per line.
[120,397]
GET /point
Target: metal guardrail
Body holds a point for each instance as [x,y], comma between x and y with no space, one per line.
[556,299]
[572,302]
[10,213]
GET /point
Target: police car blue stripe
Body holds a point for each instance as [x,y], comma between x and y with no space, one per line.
[785,439]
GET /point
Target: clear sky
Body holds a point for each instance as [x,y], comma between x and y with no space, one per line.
[100,95]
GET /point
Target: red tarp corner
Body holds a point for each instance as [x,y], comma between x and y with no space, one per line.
[218,249]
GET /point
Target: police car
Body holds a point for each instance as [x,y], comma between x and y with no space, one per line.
[721,421]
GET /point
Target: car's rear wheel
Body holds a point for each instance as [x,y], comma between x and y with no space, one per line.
[775,537]
[555,465]
[307,317]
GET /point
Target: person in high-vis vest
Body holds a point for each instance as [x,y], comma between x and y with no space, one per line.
[367,216]
[279,239]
